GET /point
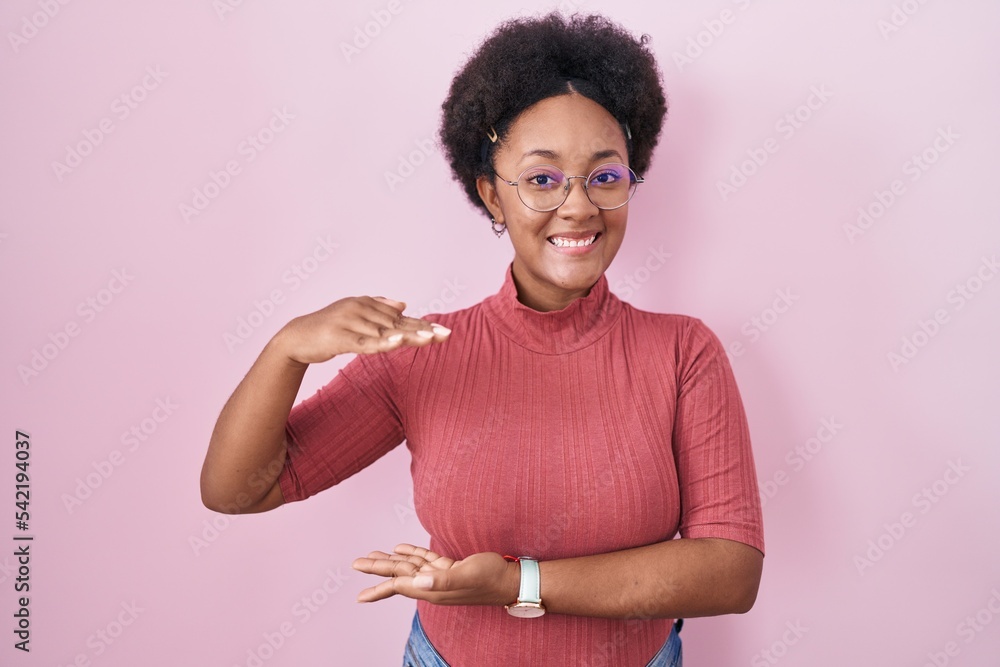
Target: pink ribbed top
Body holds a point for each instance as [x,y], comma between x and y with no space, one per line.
[594,428]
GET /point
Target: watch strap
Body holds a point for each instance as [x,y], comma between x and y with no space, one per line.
[531,582]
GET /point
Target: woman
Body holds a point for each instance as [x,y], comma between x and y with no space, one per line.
[560,437]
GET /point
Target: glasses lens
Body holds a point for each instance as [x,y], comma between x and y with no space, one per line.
[542,188]
[611,185]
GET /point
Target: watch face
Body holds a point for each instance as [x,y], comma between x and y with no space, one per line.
[526,610]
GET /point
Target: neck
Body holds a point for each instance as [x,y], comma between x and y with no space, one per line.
[540,297]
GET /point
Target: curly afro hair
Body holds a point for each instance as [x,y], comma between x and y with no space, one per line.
[527,60]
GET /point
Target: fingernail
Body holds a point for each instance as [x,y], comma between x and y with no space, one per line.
[423,582]
[423,333]
[438,329]
[395,338]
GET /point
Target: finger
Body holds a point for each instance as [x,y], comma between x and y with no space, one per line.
[415,338]
[369,337]
[389,317]
[399,305]
[443,580]
[384,567]
[409,549]
[440,580]
[380,591]
[406,323]
[385,305]
[414,560]
[415,329]
[383,314]
[401,330]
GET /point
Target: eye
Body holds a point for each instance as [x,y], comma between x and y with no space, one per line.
[544,178]
[605,176]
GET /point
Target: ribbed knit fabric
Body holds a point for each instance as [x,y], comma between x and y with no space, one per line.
[594,428]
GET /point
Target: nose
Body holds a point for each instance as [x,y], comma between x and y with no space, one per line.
[577,205]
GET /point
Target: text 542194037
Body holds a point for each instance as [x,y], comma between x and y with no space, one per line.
[22,542]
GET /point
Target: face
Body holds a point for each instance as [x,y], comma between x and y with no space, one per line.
[575,134]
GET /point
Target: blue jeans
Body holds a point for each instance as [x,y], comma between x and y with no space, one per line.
[420,652]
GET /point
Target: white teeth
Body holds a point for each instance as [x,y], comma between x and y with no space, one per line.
[570,243]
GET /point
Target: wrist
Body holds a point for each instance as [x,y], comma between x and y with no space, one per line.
[511,583]
[280,345]
[528,603]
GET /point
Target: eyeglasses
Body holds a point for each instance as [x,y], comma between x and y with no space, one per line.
[545,187]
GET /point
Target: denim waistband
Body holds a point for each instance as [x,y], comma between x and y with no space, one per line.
[421,653]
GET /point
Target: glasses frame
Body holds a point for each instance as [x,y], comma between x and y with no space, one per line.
[569,183]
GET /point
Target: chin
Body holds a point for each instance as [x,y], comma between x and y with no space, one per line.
[577,278]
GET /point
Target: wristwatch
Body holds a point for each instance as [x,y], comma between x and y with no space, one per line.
[529,599]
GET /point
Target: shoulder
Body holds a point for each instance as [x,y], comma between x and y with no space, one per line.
[675,325]
[685,337]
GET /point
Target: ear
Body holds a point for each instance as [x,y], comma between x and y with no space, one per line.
[488,193]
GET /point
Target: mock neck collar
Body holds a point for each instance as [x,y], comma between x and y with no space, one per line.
[571,328]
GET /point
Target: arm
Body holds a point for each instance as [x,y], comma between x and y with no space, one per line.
[675,579]
[681,578]
[248,448]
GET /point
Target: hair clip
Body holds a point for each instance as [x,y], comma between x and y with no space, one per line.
[628,132]
[492,136]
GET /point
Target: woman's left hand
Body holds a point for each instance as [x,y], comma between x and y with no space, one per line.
[421,574]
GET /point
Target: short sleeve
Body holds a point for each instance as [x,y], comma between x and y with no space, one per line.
[344,427]
[715,465]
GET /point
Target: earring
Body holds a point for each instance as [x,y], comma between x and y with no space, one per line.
[498,230]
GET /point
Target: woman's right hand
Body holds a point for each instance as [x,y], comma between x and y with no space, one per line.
[358,324]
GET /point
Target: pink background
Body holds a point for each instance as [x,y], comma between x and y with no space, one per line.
[854,297]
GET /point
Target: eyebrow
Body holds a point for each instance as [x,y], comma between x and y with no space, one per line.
[552,155]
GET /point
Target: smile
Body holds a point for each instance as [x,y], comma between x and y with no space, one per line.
[561,242]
